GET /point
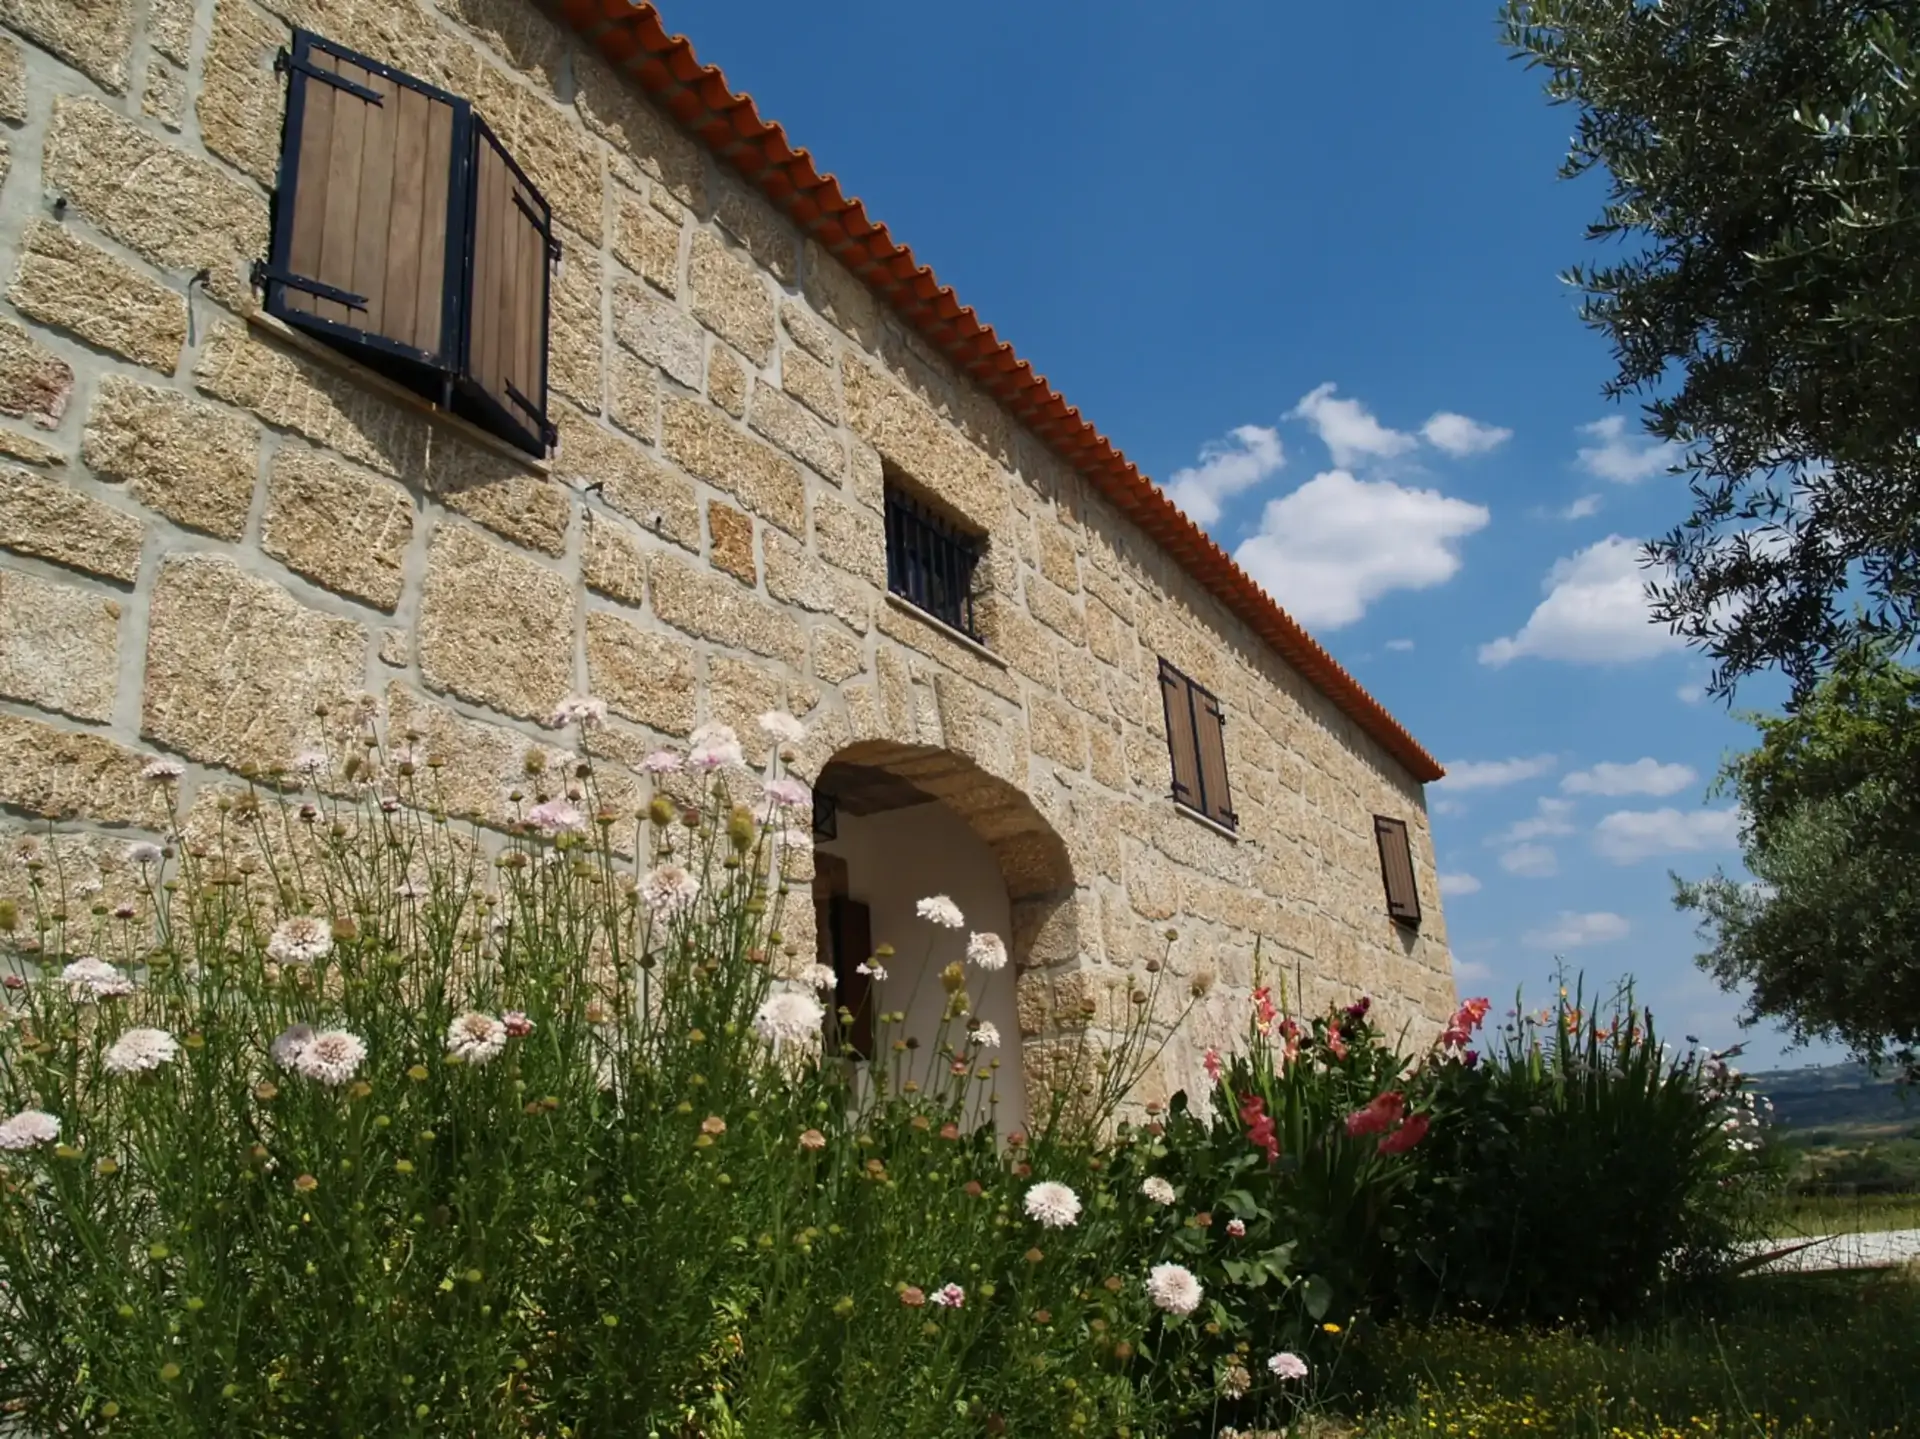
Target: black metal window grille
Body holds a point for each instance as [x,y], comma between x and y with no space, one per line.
[930,562]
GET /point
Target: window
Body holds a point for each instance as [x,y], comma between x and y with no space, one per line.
[1396,869]
[405,235]
[1197,741]
[930,561]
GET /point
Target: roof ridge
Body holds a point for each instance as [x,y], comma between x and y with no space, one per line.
[634,39]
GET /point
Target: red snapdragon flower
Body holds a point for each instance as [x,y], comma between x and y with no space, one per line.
[1263,1008]
[1260,1130]
[1378,1115]
[1406,1136]
[1336,1042]
[1212,1065]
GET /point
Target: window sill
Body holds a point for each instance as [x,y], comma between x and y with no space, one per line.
[934,622]
[366,379]
[1201,819]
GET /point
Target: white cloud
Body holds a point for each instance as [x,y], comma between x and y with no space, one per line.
[1443,805]
[1530,861]
[1465,774]
[1460,436]
[1227,467]
[1400,646]
[1337,544]
[1643,776]
[1583,508]
[1595,612]
[1348,429]
[1471,969]
[1630,835]
[1622,458]
[1457,884]
[1574,931]
[1690,694]
[1551,818]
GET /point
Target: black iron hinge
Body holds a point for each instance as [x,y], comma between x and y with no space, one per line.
[264,274]
[286,62]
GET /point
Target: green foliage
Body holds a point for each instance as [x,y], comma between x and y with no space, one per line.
[1812,1357]
[1828,941]
[1580,1170]
[1760,158]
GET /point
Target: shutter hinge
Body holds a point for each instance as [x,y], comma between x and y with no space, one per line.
[265,274]
[285,62]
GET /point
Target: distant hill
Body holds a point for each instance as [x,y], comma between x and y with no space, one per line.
[1842,1098]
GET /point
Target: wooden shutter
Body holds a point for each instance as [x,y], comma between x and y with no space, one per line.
[1396,869]
[1210,739]
[1176,695]
[851,925]
[368,215]
[504,369]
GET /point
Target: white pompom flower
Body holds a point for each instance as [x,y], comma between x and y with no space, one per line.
[1173,1288]
[1052,1205]
[475,1037]
[941,910]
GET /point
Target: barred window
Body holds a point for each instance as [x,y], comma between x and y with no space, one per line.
[931,561]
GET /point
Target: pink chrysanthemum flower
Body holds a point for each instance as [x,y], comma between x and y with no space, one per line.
[940,910]
[557,816]
[714,746]
[1157,1190]
[1236,1229]
[331,1057]
[517,1024]
[1173,1288]
[145,853]
[1288,1366]
[949,1296]
[139,1051]
[300,940]
[788,793]
[583,710]
[669,889]
[662,761]
[476,1038]
[28,1128]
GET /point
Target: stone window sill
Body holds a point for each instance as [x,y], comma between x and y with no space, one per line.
[345,366]
[940,626]
[1212,824]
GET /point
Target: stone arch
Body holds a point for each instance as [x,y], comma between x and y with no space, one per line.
[875,778]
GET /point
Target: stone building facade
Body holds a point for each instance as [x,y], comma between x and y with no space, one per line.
[209,523]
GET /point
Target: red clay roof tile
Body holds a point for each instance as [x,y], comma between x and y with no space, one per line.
[635,40]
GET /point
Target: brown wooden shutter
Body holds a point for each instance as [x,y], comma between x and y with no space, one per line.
[851,923]
[1210,737]
[1396,869]
[369,211]
[1176,695]
[505,352]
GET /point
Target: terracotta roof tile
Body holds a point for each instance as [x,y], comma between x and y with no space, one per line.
[633,38]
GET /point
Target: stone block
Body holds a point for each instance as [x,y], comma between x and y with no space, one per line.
[194,463]
[54,772]
[613,109]
[303,395]
[642,674]
[812,383]
[653,495]
[173,209]
[808,333]
[703,604]
[236,666]
[65,282]
[795,577]
[28,450]
[730,297]
[338,526]
[93,36]
[912,435]
[1059,560]
[902,623]
[837,656]
[1058,731]
[1012,634]
[731,550]
[59,646]
[525,38]
[574,343]
[743,212]
[738,693]
[1108,756]
[852,538]
[655,330]
[547,143]
[475,765]
[797,431]
[241,99]
[836,296]
[170,28]
[633,395]
[727,381]
[1056,609]
[1108,636]
[34,383]
[611,561]
[646,242]
[53,521]
[165,95]
[706,446]
[501,492]
[13,82]
[396,647]
[496,627]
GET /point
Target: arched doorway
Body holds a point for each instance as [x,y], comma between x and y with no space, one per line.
[896,823]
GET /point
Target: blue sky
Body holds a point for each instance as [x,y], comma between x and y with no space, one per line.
[1301,263]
